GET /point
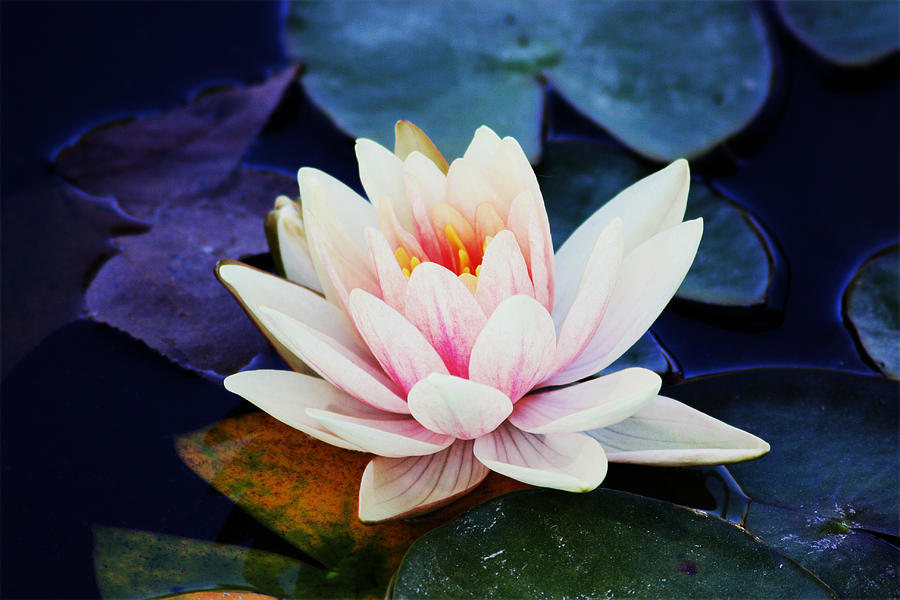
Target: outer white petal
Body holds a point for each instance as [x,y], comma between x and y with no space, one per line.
[387,434]
[286,395]
[666,432]
[646,208]
[648,279]
[254,288]
[292,247]
[381,173]
[458,407]
[355,373]
[565,461]
[395,487]
[588,405]
[482,148]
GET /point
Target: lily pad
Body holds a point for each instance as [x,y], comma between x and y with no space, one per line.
[849,33]
[669,79]
[826,495]
[872,307]
[140,564]
[550,544]
[180,172]
[734,265]
[307,492]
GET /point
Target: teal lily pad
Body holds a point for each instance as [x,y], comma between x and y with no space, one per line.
[826,494]
[872,308]
[734,265]
[140,564]
[550,544]
[669,79]
[849,33]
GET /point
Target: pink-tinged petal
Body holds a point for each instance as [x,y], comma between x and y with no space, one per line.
[467,187]
[434,245]
[577,327]
[381,173]
[387,434]
[666,432]
[339,267]
[336,202]
[458,407]
[446,313]
[541,259]
[487,221]
[409,139]
[253,288]
[354,372]
[516,347]
[286,395]
[573,462]
[401,350]
[428,179]
[591,404]
[646,208]
[648,278]
[503,273]
[404,487]
[482,148]
[395,233]
[391,279]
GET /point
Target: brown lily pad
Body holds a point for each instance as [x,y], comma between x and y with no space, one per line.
[181,172]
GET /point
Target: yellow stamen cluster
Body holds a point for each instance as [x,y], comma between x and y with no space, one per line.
[463,262]
[464,266]
[406,263]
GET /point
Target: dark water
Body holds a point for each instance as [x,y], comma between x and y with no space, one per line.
[88,416]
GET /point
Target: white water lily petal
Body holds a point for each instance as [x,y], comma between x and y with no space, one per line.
[510,173]
[446,313]
[340,270]
[577,327]
[331,199]
[458,407]
[400,349]
[428,179]
[254,288]
[387,434]
[286,395]
[467,187]
[646,208]
[286,223]
[503,273]
[573,462]
[482,148]
[667,433]
[381,173]
[515,349]
[390,277]
[403,487]
[648,279]
[348,369]
[587,405]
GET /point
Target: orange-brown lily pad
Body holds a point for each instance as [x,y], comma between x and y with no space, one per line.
[307,492]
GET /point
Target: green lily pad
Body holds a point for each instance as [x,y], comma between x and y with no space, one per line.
[141,564]
[733,266]
[826,495]
[669,79]
[849,33]
[550,544]
[872,307]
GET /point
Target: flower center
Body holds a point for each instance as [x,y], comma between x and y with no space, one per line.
[462,261]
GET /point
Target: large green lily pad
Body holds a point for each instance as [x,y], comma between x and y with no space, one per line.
[826,494]
[139,564]
[669,79]
[849,33]
[734,265]
[550,544]
[872,308]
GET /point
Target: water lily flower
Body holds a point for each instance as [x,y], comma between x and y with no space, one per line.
[450,340]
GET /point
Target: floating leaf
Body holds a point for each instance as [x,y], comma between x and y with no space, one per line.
[848,33]
[826,494]
[307,492]
[141,564]
[669,79]
[180,172]
[63,235]
[872,307]
[733,265]
[550,544]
